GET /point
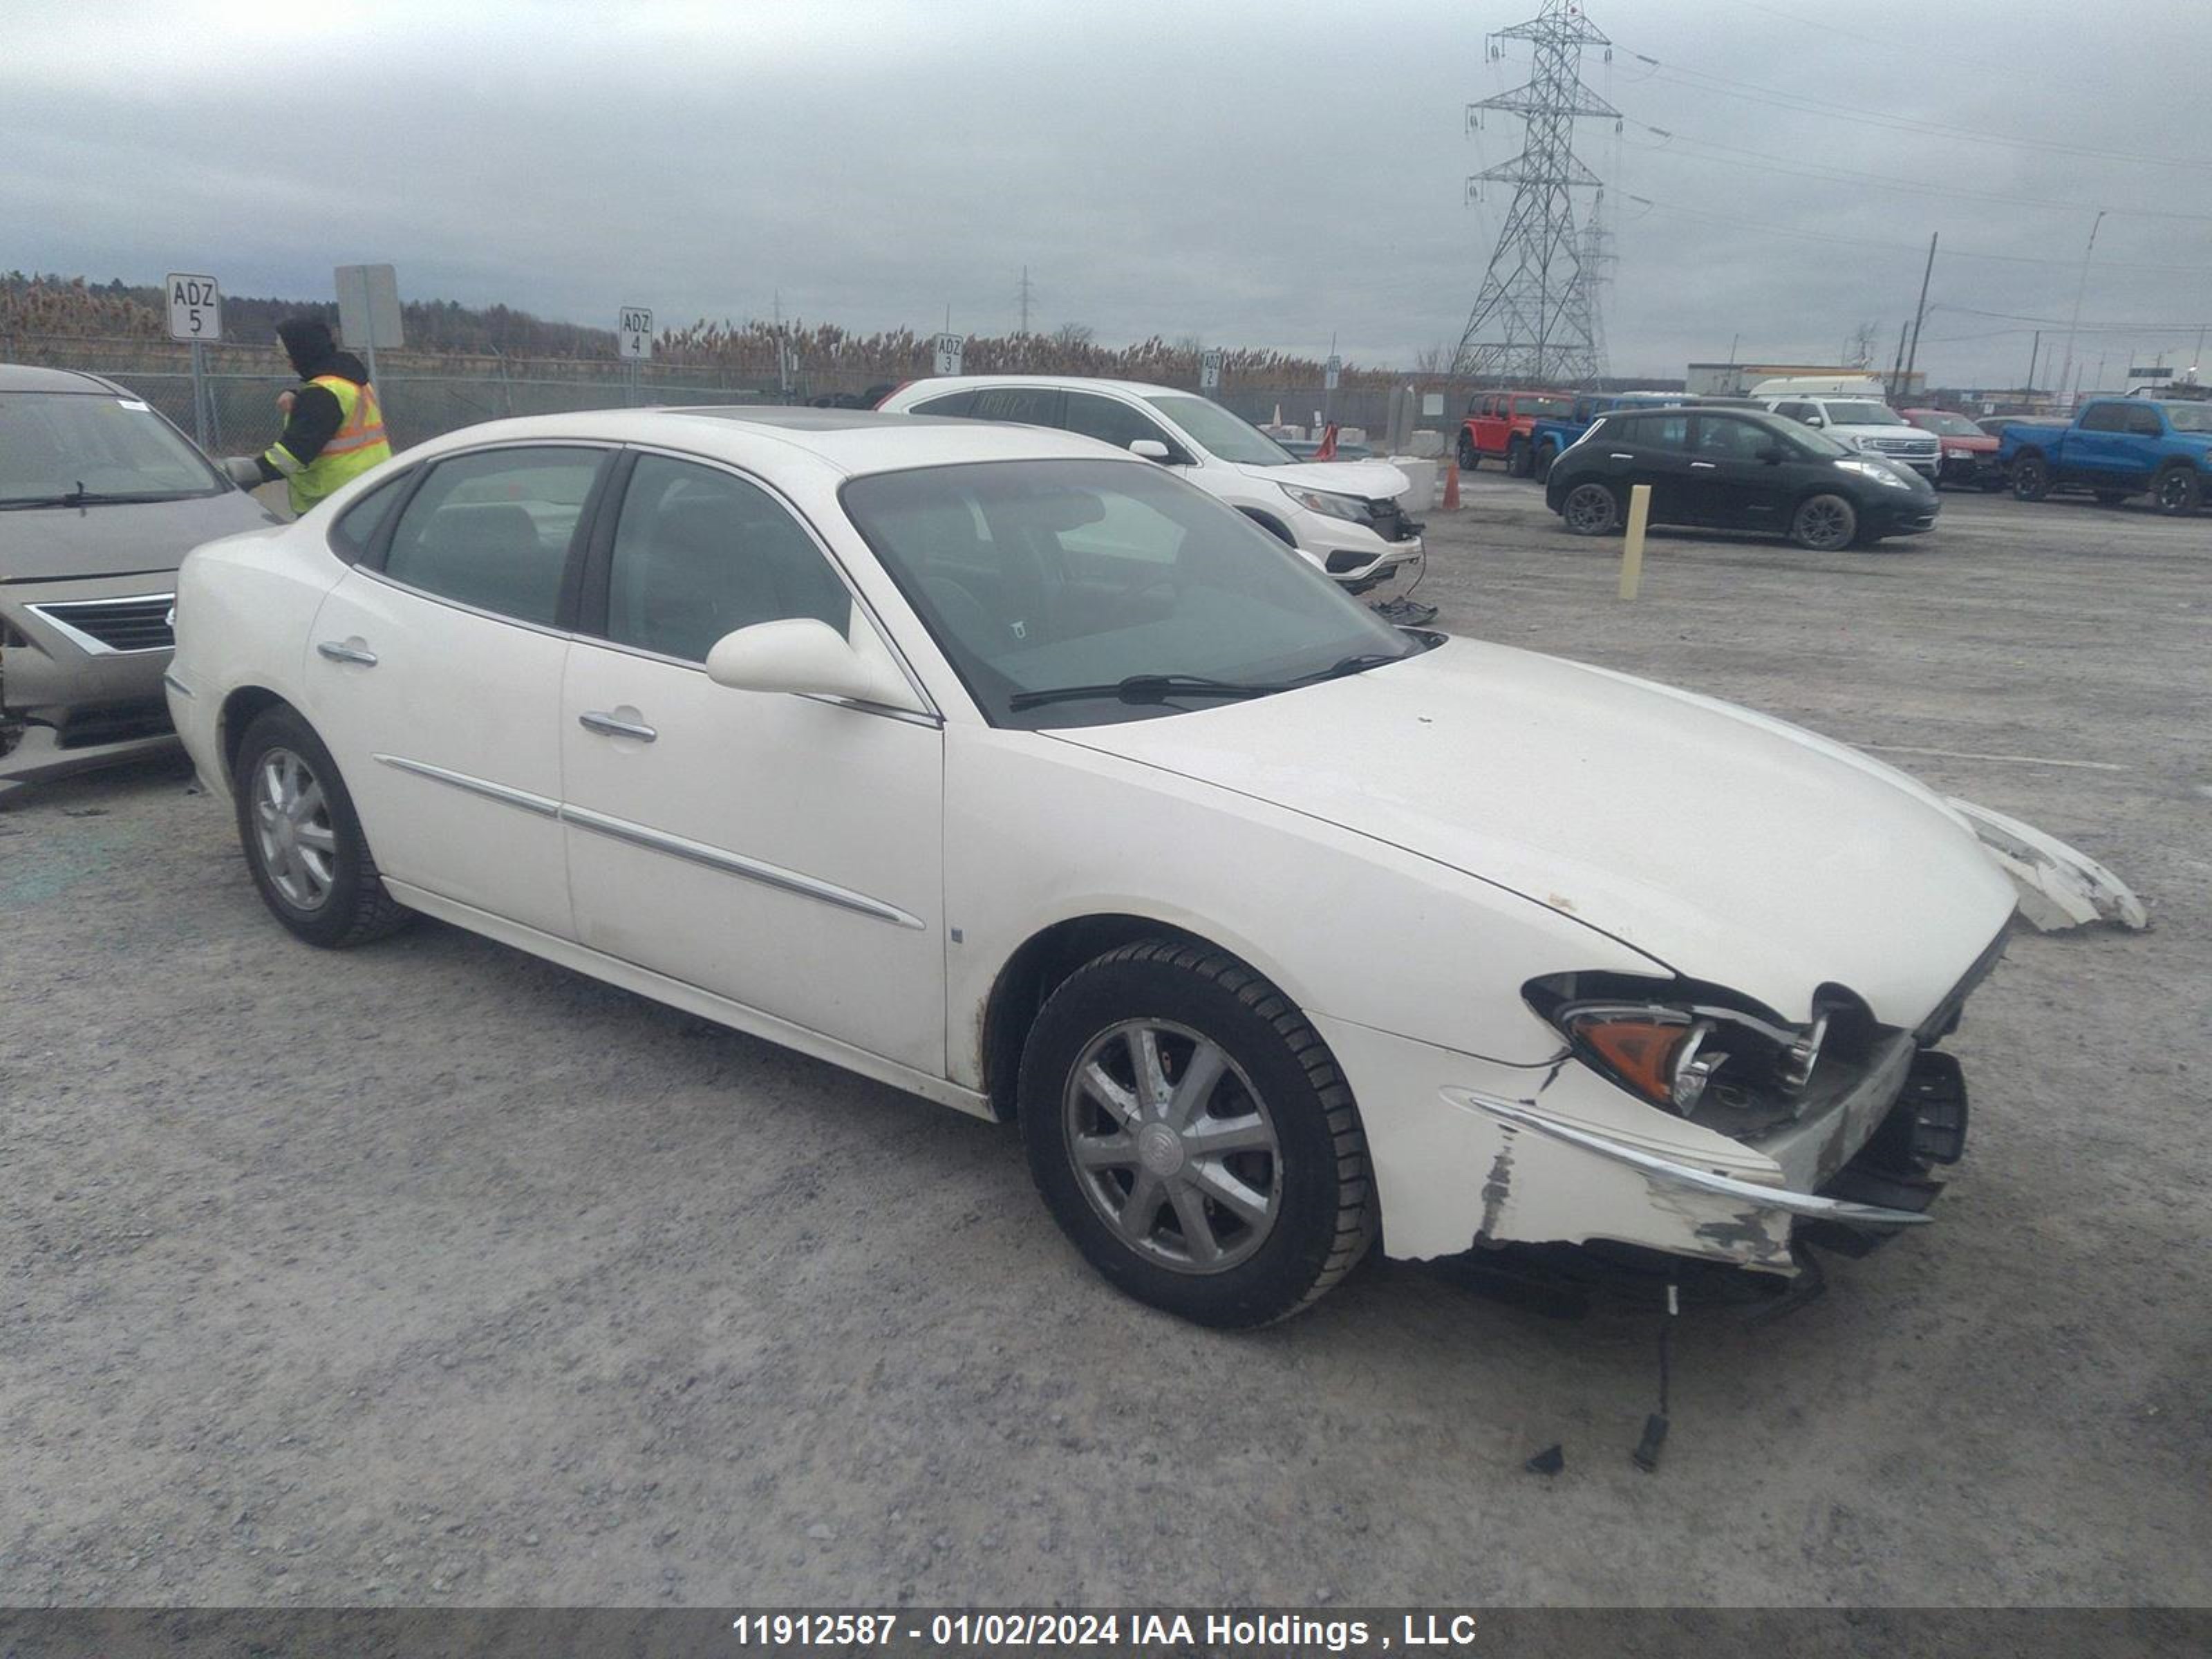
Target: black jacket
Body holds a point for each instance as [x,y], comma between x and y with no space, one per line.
[316,416]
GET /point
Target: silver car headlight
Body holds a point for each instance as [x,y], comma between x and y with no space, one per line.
[1351,508]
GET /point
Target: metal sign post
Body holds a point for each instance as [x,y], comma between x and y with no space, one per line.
[1209,369]
[634,340]
[1331,370]
[368,313]
[949,347]
[196,317]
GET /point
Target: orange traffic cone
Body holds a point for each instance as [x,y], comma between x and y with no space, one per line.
[1328,450]
[1451,483]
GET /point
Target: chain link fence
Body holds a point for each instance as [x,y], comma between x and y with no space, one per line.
[425,394]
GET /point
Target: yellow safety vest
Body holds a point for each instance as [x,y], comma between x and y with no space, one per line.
[358,444]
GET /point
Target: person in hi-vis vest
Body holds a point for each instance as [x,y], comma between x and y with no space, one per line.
[333,427]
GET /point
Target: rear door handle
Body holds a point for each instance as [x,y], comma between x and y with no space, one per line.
[1706,466]
[1618,456]
[338,653]
[607,726]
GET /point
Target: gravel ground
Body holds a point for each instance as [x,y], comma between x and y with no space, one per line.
[430,1273]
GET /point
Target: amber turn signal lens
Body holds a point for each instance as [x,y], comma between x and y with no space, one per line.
[1641,1051]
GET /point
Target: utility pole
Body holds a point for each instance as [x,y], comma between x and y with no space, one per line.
[1532,319]
[2066,365]
[1897,370]
[1913,356]
[2034,352]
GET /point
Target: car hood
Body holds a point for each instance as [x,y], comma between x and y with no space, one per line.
[45,543]
[1371,480]
[1729,846]
[1959,440]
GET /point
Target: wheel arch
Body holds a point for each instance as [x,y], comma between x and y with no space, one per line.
[240,708]
[1268,522]
[1041,965]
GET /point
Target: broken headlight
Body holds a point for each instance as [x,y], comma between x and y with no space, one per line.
[1675,1042]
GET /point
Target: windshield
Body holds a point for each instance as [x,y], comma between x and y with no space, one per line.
[59,444]
[1544,409]
[2189,418]
[1807,443]
[1841,414]
[1035,576]
[1229,437]
[1951,426]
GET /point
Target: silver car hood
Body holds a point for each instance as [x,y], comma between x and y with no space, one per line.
[49,543]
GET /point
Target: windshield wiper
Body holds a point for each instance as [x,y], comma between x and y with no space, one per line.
[82,497]
[1358,664]
[1144,688]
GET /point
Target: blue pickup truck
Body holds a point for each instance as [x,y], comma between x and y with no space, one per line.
[2115,447]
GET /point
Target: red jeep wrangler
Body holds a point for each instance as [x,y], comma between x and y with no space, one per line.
[1497,423]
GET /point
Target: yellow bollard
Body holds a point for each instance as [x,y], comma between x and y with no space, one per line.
[1631,551]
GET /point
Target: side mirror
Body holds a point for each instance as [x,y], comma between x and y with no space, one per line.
[804,655]
[1773,454]
[1815,420]
[1151,449]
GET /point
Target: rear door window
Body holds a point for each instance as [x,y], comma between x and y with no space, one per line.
[2103,417]
[1654,431]
[493,530]
[1022,405]
[1722,439]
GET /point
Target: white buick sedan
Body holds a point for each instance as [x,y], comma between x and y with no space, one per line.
[1013,770]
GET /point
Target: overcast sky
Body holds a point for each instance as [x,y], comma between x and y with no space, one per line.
[1255,172]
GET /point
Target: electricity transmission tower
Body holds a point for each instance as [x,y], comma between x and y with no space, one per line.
[1535,320]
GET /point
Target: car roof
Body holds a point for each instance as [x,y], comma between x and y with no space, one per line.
[934,384]
[28,377]
[850,441]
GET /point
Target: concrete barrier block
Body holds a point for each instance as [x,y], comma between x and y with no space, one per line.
[1429,444]
[1422,480]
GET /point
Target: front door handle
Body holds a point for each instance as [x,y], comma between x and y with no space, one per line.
[1618,456]
[338,653]
[607,726]
[1705,466]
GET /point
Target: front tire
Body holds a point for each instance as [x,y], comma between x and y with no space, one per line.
[1547,454]
[1191,1134]
[302,839]
[1517,462]
[1470,457]
[2030,478]
[2177,494]
[1590,509]
[1824,522]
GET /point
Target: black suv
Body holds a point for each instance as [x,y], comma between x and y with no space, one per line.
[1736,469]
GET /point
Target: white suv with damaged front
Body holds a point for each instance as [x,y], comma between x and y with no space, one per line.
[1000,765]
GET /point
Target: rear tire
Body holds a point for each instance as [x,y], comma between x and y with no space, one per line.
[1517,462]
[302,838]
[1590,509]
[2176,493]
[1470,457]
[1547,455]
[1824,523]
[1225,1178]
[2030,478]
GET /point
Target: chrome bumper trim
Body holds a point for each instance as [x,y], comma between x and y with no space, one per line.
[1809,1205]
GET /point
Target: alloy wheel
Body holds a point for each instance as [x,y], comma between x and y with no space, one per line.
[1173,1146]
[1824,524]
[1590,509]
[292,830]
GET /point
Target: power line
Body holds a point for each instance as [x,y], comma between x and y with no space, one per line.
[1830,174]
[1907,247]
[1779,98]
